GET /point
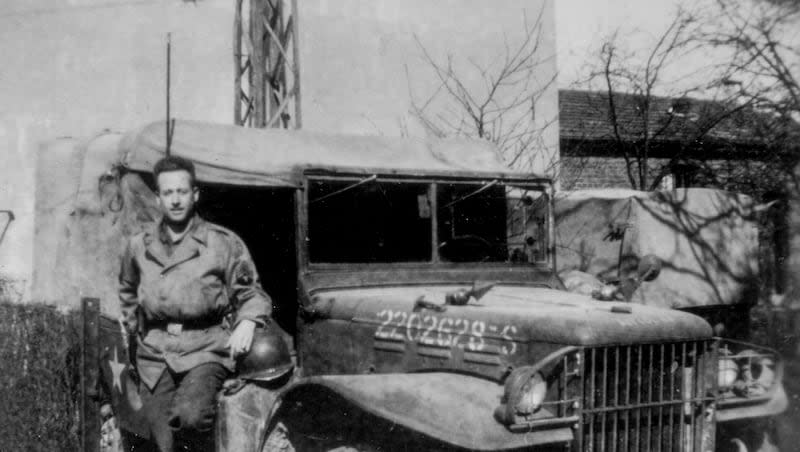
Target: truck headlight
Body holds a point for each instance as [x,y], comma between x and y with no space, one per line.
[727,373]
[524,395]
[748,372]
[544,395]
[765,373]
[531,395]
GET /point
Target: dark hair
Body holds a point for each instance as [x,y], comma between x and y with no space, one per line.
[173,163]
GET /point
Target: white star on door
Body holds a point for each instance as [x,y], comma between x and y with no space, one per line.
[116,369]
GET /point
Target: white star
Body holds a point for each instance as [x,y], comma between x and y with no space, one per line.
[116,370]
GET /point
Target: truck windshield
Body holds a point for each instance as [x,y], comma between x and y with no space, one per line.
[372,220]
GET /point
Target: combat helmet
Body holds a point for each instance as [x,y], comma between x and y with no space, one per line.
[268,359]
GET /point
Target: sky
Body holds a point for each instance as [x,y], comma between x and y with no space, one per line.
[581,26]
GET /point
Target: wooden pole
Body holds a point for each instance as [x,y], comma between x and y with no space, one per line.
[90,371]
[258,10]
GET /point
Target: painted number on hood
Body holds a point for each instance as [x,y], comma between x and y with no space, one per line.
[433,330]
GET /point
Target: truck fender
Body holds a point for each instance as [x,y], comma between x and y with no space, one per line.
[455,409]
[776,403]
[242,417]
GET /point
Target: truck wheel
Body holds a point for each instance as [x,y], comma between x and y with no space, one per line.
[761,442]
[768,444]
[278,440]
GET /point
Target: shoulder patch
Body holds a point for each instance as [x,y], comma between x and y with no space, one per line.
[245,273]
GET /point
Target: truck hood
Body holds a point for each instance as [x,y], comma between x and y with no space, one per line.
[511,313]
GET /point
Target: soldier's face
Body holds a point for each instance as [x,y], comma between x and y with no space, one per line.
[176,195]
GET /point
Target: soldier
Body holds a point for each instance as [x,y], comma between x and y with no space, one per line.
[191,296]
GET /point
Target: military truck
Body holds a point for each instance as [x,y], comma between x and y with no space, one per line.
[415,281]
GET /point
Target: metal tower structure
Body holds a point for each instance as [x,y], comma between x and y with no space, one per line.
[267,64]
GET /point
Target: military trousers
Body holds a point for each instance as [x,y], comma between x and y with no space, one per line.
[181,408]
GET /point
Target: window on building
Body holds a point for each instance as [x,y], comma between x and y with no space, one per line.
[667,183]
[681,175]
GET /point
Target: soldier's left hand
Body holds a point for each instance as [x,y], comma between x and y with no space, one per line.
[241,338]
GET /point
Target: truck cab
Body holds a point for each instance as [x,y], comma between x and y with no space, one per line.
[416,284]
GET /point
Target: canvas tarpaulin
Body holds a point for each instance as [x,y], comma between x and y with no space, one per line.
[707,240]
[85,208]
[90,196]
[235,155]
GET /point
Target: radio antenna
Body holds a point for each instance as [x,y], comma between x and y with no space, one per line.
[170,123]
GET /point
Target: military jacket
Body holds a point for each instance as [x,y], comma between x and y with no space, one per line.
[206,283]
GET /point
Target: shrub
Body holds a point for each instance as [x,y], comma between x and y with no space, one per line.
[39,378]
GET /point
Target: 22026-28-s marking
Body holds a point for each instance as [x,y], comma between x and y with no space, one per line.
[435,330]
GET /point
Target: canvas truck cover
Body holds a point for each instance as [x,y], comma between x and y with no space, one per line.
[707,240]
[227,154]
[85,209]
[90,196]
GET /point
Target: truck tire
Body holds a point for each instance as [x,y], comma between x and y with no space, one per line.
[768,444]
[764,440]
[322,421]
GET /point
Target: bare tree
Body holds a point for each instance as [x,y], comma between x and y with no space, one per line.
[760,37]
[764,50]
[503,108]
[646,104]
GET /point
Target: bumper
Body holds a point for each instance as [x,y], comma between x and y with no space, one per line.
[769,405]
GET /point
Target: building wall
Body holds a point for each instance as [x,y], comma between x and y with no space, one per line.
[75,67]
[579,173]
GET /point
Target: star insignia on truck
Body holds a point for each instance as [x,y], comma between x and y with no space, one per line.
[116,370]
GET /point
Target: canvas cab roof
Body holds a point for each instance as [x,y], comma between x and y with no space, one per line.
[227,154]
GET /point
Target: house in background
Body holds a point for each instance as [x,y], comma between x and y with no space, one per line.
[687,142]
[690,143]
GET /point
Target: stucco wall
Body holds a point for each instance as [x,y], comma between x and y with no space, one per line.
[74,67]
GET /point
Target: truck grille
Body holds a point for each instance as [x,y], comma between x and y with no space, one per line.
[647,397]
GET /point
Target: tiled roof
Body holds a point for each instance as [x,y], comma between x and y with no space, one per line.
[584,115]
